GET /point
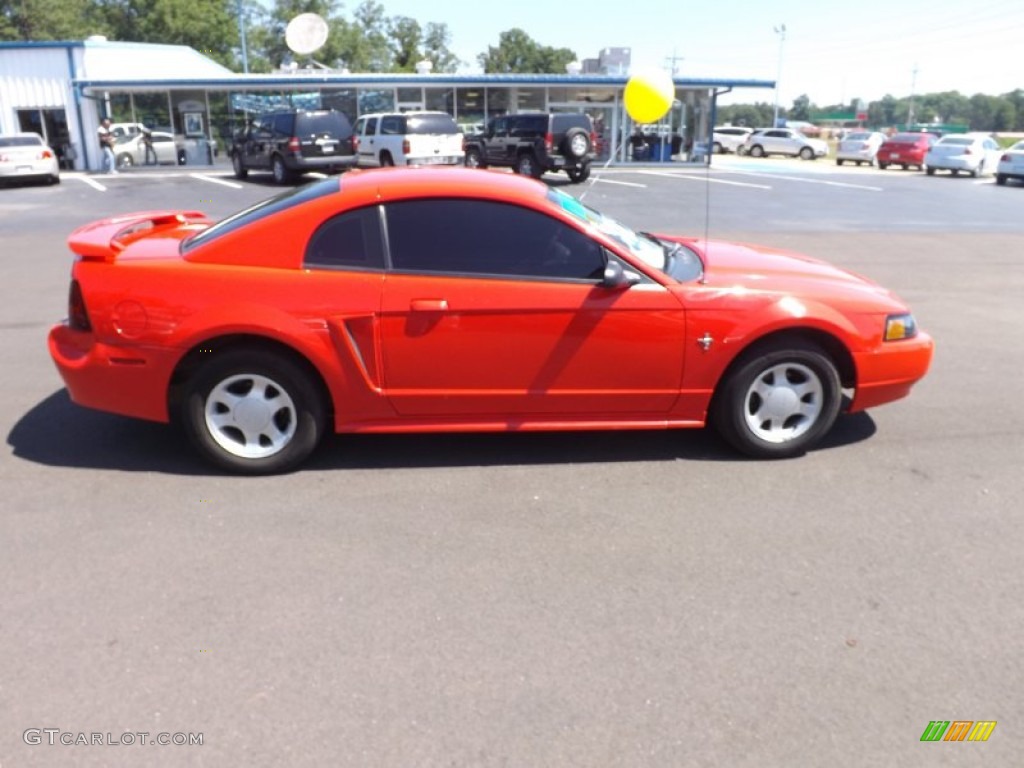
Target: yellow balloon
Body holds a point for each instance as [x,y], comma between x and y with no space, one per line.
[649,95]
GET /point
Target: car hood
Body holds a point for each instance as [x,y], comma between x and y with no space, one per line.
[744,268]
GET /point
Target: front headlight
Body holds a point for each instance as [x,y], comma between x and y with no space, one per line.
[899,327]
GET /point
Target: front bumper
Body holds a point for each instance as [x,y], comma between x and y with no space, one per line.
[890,371]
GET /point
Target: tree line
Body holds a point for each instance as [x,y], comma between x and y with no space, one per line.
[366,40]
[979,112]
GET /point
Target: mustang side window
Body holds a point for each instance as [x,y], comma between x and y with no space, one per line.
[479,237]
[351,239]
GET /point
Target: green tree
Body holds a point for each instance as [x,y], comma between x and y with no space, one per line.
[436,48]
[517,52]
[801,108]
[37,20]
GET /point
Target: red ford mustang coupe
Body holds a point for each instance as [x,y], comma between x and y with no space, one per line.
[408,300]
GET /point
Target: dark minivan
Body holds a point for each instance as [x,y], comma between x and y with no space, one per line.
[291,142]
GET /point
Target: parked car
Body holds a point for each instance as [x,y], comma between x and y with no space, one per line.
[975,154]
[859,147]
[430,299]
[534,142]
[1011,164]
[130,150]
[291,142]
[784,141]
[407,138]
[729,138]
[905,150]
[27,156]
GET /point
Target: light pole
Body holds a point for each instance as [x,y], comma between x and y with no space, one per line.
[781,32]
[241,34]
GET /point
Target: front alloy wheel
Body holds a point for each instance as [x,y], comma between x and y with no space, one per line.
[251,411]
[779,402]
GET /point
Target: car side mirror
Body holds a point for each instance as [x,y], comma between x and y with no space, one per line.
[615,276]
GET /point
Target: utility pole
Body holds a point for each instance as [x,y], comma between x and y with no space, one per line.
[241,34]
[913,86]
[781,32]
[671,61]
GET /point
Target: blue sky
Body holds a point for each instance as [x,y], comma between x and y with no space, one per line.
[833,52]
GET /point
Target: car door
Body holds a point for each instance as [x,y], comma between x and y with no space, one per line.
[165,148]
[257,146]
[495,141]
[494,310]
[366,131]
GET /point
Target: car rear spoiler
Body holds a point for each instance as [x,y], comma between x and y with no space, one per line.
[103,240]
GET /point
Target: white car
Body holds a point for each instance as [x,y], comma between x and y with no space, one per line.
[407,138]
[26,156]
[859,147]
[131,150]
[1011,164]
[729,138]
[784,141]
[972,153]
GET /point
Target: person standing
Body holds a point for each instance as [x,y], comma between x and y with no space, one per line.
[147,143]
[107,146]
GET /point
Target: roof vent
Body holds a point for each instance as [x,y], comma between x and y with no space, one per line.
[424,67]
[96,39]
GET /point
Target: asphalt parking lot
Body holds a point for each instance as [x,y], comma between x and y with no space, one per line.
[610,599]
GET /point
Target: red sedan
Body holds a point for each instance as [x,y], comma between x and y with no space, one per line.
[407,300]
[905,150]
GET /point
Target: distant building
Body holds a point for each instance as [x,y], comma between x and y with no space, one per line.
[610,61]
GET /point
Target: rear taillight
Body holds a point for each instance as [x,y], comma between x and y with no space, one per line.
[46,155]
[1005,158]
[293,144]
[549,142]
[78,317]
[406,149]
[967,151]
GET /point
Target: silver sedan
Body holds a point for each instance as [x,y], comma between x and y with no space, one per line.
[131,150]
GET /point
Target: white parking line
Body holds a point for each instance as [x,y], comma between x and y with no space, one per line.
[215,180]
[91,182]
[704,177]
[620,183]
[809,181]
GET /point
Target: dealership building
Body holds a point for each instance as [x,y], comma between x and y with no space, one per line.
[62,90]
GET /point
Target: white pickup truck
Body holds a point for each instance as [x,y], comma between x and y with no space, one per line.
[407,138]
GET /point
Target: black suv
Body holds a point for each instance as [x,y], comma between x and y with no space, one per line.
[534,142]
[291,142]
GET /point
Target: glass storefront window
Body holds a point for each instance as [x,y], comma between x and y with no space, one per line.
[497,102]
[341,100]
[376,100]
[440,99]
[120,105]
[410,95]
[153,111]
[469,105]
[529,99]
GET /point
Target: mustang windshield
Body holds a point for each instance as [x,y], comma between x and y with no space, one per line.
[673,259]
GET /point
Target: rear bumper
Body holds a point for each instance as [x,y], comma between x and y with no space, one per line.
[326,163]
[131,381]
[889,372]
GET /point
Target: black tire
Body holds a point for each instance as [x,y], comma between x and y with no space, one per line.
[806,153]
[882,166]
[527,165]
[386,161]
[279,170]
[280,435]
[577,175]
[238,165]
[757,151]
[182,157]
[804,385]
[474,159]
[124,160]
[576,143]
[930,171]
[717,149]
[840,162]
[955,172]
[904,166]
[1001,179]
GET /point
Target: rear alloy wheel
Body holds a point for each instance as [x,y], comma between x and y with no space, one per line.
[577,143]
[236,162]
[576,175]
[473,159]
[280,171]
[252,412]
[124,160]
[757,151]
[806,153]
[526,165]
[1001,179]
[716,149]
[780,401]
